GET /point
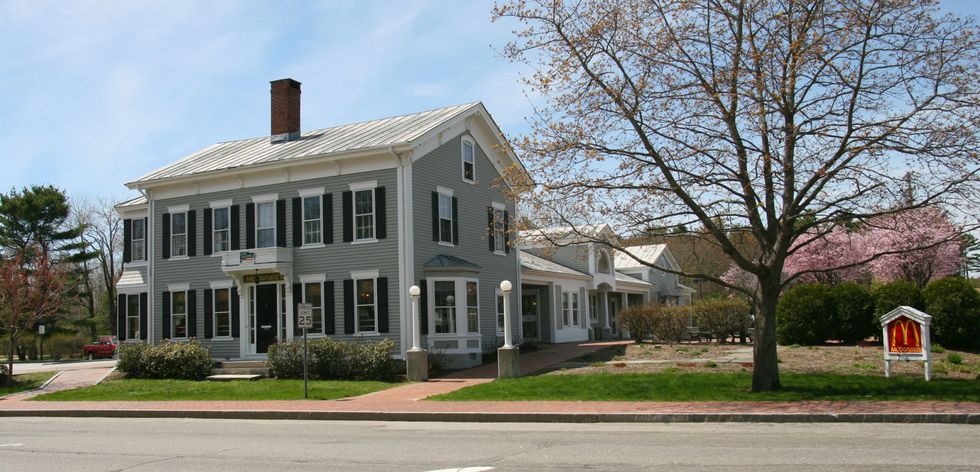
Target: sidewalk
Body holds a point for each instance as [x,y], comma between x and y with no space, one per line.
[405,404]
[65,380]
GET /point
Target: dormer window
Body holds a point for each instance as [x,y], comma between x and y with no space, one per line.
[469,161]
[602,263]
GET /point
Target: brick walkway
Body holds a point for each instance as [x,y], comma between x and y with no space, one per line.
[404,403]
[65,380]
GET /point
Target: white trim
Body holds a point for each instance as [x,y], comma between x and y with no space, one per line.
[179,258]
[464,140]
[131,289]
[364,241]
[179,208]
[315,246]
[364,274]
[312,278]
[498,206]
[444,190]
[178,287]
[134,264]
[220,203]
[365,185]
[220,284]
[446,243]
[311,192]
[269,197]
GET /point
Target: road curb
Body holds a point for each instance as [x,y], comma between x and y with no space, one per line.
[481,417]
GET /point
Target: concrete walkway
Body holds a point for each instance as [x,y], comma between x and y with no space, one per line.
[406,403]
[65,380]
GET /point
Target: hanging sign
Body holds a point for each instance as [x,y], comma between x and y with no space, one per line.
[259,278]
[905,337]
[246,256]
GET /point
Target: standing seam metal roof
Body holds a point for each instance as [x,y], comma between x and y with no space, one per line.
[344,138]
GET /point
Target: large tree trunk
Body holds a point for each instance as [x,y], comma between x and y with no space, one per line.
[765,373]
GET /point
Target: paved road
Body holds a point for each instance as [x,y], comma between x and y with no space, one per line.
[45,444]
[28,367]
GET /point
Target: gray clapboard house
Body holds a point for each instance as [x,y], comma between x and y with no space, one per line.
[223,244]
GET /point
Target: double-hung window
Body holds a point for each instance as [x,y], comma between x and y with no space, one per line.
[133,316]
[500,311]
[178,234]
[499,236]
[366,306]
[445,218]
[221,229]
[312,220]
[178,314]
[265,226]
[565,308]
[469,161]
[445,307]
[313,294]
[222,312]
[472,307]
[575,309]
[364,214]
[139,240]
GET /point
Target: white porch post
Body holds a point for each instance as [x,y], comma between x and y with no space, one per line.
[604,302]
[508,356]
[417,361]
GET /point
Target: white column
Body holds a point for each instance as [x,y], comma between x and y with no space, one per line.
[604,301]
[505,288]
[415,292]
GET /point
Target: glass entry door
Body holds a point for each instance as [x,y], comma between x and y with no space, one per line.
[529,315]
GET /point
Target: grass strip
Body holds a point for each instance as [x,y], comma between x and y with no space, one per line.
[176,390]
[24,382]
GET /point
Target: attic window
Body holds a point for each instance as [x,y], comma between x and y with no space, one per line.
[469,161]
[602,263]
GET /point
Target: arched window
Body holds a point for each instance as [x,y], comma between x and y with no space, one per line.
[602,263]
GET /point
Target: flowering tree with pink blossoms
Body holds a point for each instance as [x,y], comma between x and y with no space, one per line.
[919,245]
[836,256]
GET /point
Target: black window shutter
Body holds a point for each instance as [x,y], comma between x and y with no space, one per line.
[281,223]
[347,211]
[349,306]
[380,213]
[493,242]
[165,334]
[128,240]
[455,222]
[236,229]
[423,309]
[121,317]
[192,313]
[297,297]
[235,313]
[144,310]
[382,304]
[435,216]
[191,233]
[327,218]
[297,222]
[166,235]
[208,314]
[249,226]
[208,233]
[329,317]
[506,232]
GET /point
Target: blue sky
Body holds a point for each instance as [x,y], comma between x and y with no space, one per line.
[96,93]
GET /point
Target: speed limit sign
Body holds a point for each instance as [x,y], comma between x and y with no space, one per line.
[305,315]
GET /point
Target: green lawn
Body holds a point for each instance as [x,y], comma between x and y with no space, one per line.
[264,389]
[26,382]
[681,387]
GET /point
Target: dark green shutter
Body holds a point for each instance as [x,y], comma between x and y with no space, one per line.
[423,309]
[128,240]
[455,222]
[191,233]
[435,216]
[165,333]
[347,210]
[349,306]
[329,315]
[165,218]
[506,232]
[281,223]
[297,297]
[297,222]
[235,313]
[249,226]
[208,313]
[144,310]
[235,220]
[328,218]
[208,234]
[382,304]
[121,317]
[192,313]
[490,229]
[380,214]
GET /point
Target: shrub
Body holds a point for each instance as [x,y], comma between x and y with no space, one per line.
[64,345]
[855,308]
[639,320]
[333,360]
[955,308]
[722,317]
[954,358]
[672,322]
[937,348]
[167,360]
[805,315]
[895,294]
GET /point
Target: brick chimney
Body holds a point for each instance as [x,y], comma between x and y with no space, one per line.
[285,108]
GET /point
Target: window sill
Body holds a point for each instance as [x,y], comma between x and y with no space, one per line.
[364,241]
[499,253]
[447,244]
[367,334]
[178,258]
[133,341]
[222,338]
[139,263]
[313,246]
[471,182]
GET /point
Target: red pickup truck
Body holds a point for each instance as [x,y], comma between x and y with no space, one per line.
[105,347]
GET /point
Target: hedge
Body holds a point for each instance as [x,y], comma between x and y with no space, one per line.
[955,309]
[805,315]
[855,309]
[895,294]
[167,360]
[333,360]
[722,317]
[666,323]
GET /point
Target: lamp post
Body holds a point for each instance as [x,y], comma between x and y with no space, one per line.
[508,356]
[417,364]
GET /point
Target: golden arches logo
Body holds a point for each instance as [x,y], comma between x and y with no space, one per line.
[905,336]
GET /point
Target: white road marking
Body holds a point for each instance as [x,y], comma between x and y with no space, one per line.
[464,469]
[11,445]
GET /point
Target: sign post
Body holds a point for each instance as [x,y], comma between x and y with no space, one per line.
[40,332]
[304,317]
[905,337]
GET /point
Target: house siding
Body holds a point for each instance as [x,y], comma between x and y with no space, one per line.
[574,257]
[335,260]
[442,167]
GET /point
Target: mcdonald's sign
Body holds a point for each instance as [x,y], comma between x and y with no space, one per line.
[905,336]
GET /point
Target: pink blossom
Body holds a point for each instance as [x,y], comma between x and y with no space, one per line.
[926,244]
